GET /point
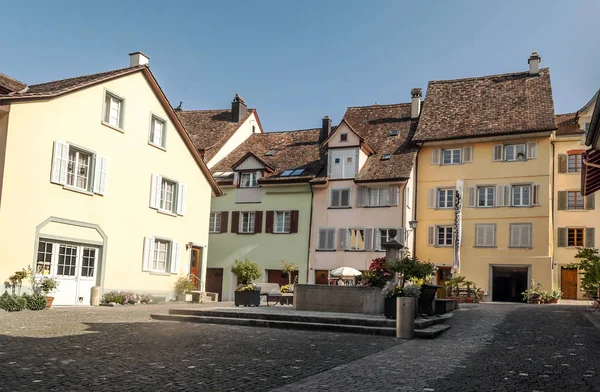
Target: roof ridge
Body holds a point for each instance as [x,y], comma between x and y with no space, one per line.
[293,130]
[565,114]
[379,105]
[523,73]
[209,110]
[88,75]
[13,79]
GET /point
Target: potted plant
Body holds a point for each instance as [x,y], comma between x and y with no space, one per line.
[555,296]
[48,285]
[469,298]
[411,291]
[521,155]
[183,288]
[532,295]
[246,293]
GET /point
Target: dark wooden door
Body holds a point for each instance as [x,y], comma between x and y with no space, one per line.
[214,281]
[278,276]
[196,266]
[443,275]
[568,283]
[321,277]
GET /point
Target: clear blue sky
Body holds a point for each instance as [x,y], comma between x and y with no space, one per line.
[296,61]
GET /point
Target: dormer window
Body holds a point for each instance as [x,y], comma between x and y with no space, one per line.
[343,137]
[249,180]
[394,133]
[386,157]
[343,163]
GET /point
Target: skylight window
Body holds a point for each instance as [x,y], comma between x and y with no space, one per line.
[217,174]
[394,133]
[286,173]
[386,157]
[292,172]
[269,153]
[298,172]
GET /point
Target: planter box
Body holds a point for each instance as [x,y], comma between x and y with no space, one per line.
[247,298]
[443,306]
[390,308]
[342,299]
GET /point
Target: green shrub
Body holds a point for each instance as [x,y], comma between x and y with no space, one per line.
[246,271]
[183,285]
[113,297]
[146,299]
[35,301]
[12,303]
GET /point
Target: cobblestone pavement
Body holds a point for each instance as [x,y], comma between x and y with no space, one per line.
[489,348]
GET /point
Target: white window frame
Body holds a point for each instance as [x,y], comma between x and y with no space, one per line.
[163,200]
[520,227]
[355,230]
[377,194]
[161,142]
[378,233]
[521,200]
[214,225]
[340,162]
[75,165]
[452,156]
[445,229]
[109,97]
[331,234]
[445,192]
[248,227]
[155,260]
[340,191]
[486,191]
[515,154]
[287,222]
[253,179]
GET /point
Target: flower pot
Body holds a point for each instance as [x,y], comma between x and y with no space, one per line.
[188,297]
[469,300]
[247,298]
[554,300]
[49,302]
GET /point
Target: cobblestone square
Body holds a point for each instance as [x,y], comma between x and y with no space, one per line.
[491,347]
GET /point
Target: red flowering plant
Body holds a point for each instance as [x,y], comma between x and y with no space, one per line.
[377,275]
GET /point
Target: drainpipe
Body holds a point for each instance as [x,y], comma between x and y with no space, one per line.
[552,215]
[415,186]
[312,197]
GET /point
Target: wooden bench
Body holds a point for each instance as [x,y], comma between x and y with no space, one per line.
[426,300]
[272,292]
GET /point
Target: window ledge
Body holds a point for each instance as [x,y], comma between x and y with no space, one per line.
[339,208]
[214,232]
[165,212]
[282,232]
[78,190]
[157,146]
[485,247]
[158,273]
[520,247]
[248,202]
[113,127]
[577,210]
[246,232]
[377,206]
[355,250]
[325,250]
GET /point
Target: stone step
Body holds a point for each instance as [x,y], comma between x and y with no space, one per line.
[429,332]
[324,318]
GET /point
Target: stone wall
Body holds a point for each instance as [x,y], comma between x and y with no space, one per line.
[343,299]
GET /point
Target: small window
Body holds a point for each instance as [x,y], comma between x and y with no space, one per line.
[520,235]
[339,198]
[574,200]
[575,237]
[44,257]
[79,171]
[521,195]
[337,161]
[357,239]
[444,235]
[451,157]
[282,221]
[249,180]
[297,172]
[113,111]
[343,137]
[445,198]
[269,153]
[326,240]
[246,222]
[377,197]
[485,235]
[383,236]
[286,173]
[88,261]
[515,152]
[214,225]
[386,157]
[157,132]
[167,195]
[574,163]
[160,258]
[485,196]
[394,133]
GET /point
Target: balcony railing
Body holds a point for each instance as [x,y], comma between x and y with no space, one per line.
[249,195]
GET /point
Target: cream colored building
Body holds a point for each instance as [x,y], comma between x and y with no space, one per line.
[575,216]
[100,184]
[488,139]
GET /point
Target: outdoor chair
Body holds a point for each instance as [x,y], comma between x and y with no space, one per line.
[425,303]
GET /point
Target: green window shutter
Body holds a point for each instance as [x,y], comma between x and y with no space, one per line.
[590,202]
[562,237]
[562,200]
[590,234]
[562,163]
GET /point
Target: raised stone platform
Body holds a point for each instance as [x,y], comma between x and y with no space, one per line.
[286,317]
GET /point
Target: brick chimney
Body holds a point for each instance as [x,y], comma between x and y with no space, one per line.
[238,108]
[534,63]
[138,58]
[325,129]
[415,108]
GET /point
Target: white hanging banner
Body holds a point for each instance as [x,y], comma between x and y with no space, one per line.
[458,202]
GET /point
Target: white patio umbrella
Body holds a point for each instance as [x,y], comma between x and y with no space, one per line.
[345,271]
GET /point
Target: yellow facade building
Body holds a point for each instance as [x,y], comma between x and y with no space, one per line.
[100,184]
[486,142]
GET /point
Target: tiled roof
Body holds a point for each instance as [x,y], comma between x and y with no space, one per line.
[567,124]
[210,129]
[62,86]
[374,125]
[291,150]
[486,106]
[9,85]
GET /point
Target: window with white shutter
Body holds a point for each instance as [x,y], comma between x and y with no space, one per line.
[356,239]
[485,235]
[436,156]
[383,235]
[520,235]
[521,195]
[161,255]
[167,195]
[343,163]
[326,239]
[451,156]
[158,129]
[445,198]
[113,110]
[467,154]
[443,235]
[339,198]
[78,168]
[485,196]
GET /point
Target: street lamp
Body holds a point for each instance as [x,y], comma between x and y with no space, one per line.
[412,227]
